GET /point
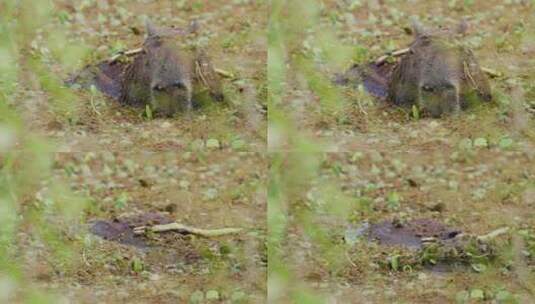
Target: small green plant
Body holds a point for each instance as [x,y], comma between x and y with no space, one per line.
[415,112]
[137,265]
[393,200]
[121,201]
[394,262]
[148,112]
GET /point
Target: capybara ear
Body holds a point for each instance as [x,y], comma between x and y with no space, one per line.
[462,27]
[152,30]
[156,31]
[193,27]
[417,27]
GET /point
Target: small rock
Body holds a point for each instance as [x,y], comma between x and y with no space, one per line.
[376,157]
[210,194]
[196,297]
[238,296]
[422,276]
[505,143]
[154,277]
[171,208]
[477,294]
[122,294]
[433,124]
[238,144]
[462,296]
[453,185]
[438,207]
[212,295]
[184,184]
[465,144]
[480,142]
[353,234]
[197,144]
[7,139]
[212,143]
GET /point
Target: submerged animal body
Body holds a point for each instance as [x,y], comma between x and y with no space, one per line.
[162,75]
[437,75]
[410,234]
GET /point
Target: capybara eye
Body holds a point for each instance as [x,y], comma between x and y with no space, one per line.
[427,88]
[180,85]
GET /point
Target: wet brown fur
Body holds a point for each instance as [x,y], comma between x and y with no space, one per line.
[436,65]
[438,75]
[163,76]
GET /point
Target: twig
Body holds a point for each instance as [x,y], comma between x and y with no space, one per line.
[92,100]
[199,72]
[493,234]
[85,259]
[350,260]
[125,53]
[382,59]
[467,72]
[397,53]
[94,107]
[186,229]
[133,52]
[361,108]
[224,73]
[491,72]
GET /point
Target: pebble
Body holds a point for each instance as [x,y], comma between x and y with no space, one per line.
[154,277]
[212,295]
[166,125]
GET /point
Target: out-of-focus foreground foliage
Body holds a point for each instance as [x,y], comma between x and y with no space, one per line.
[29,200]
[296,47]
[300,95]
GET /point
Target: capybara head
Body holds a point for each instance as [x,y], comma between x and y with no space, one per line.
[161,76]
[438,75]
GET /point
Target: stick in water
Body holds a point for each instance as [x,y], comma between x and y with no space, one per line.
[224,73]
[397,53]
[493,234]
[125,53]
[492,73]
[133,52]
[186,229]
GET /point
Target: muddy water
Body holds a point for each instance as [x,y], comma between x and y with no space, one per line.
[121,230]
[410,234]
[375,78]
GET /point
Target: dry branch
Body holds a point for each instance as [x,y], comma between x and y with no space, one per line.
[493,234]
[492,73]
[125,53]
[200,73]
[186,229]
[224,73]
[397,53]
[133,52]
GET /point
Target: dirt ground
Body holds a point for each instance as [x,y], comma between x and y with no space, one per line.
[501,36]
[203,190]
[194,169]
[474,171]
[94,122]
[478,192]
[219,167]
